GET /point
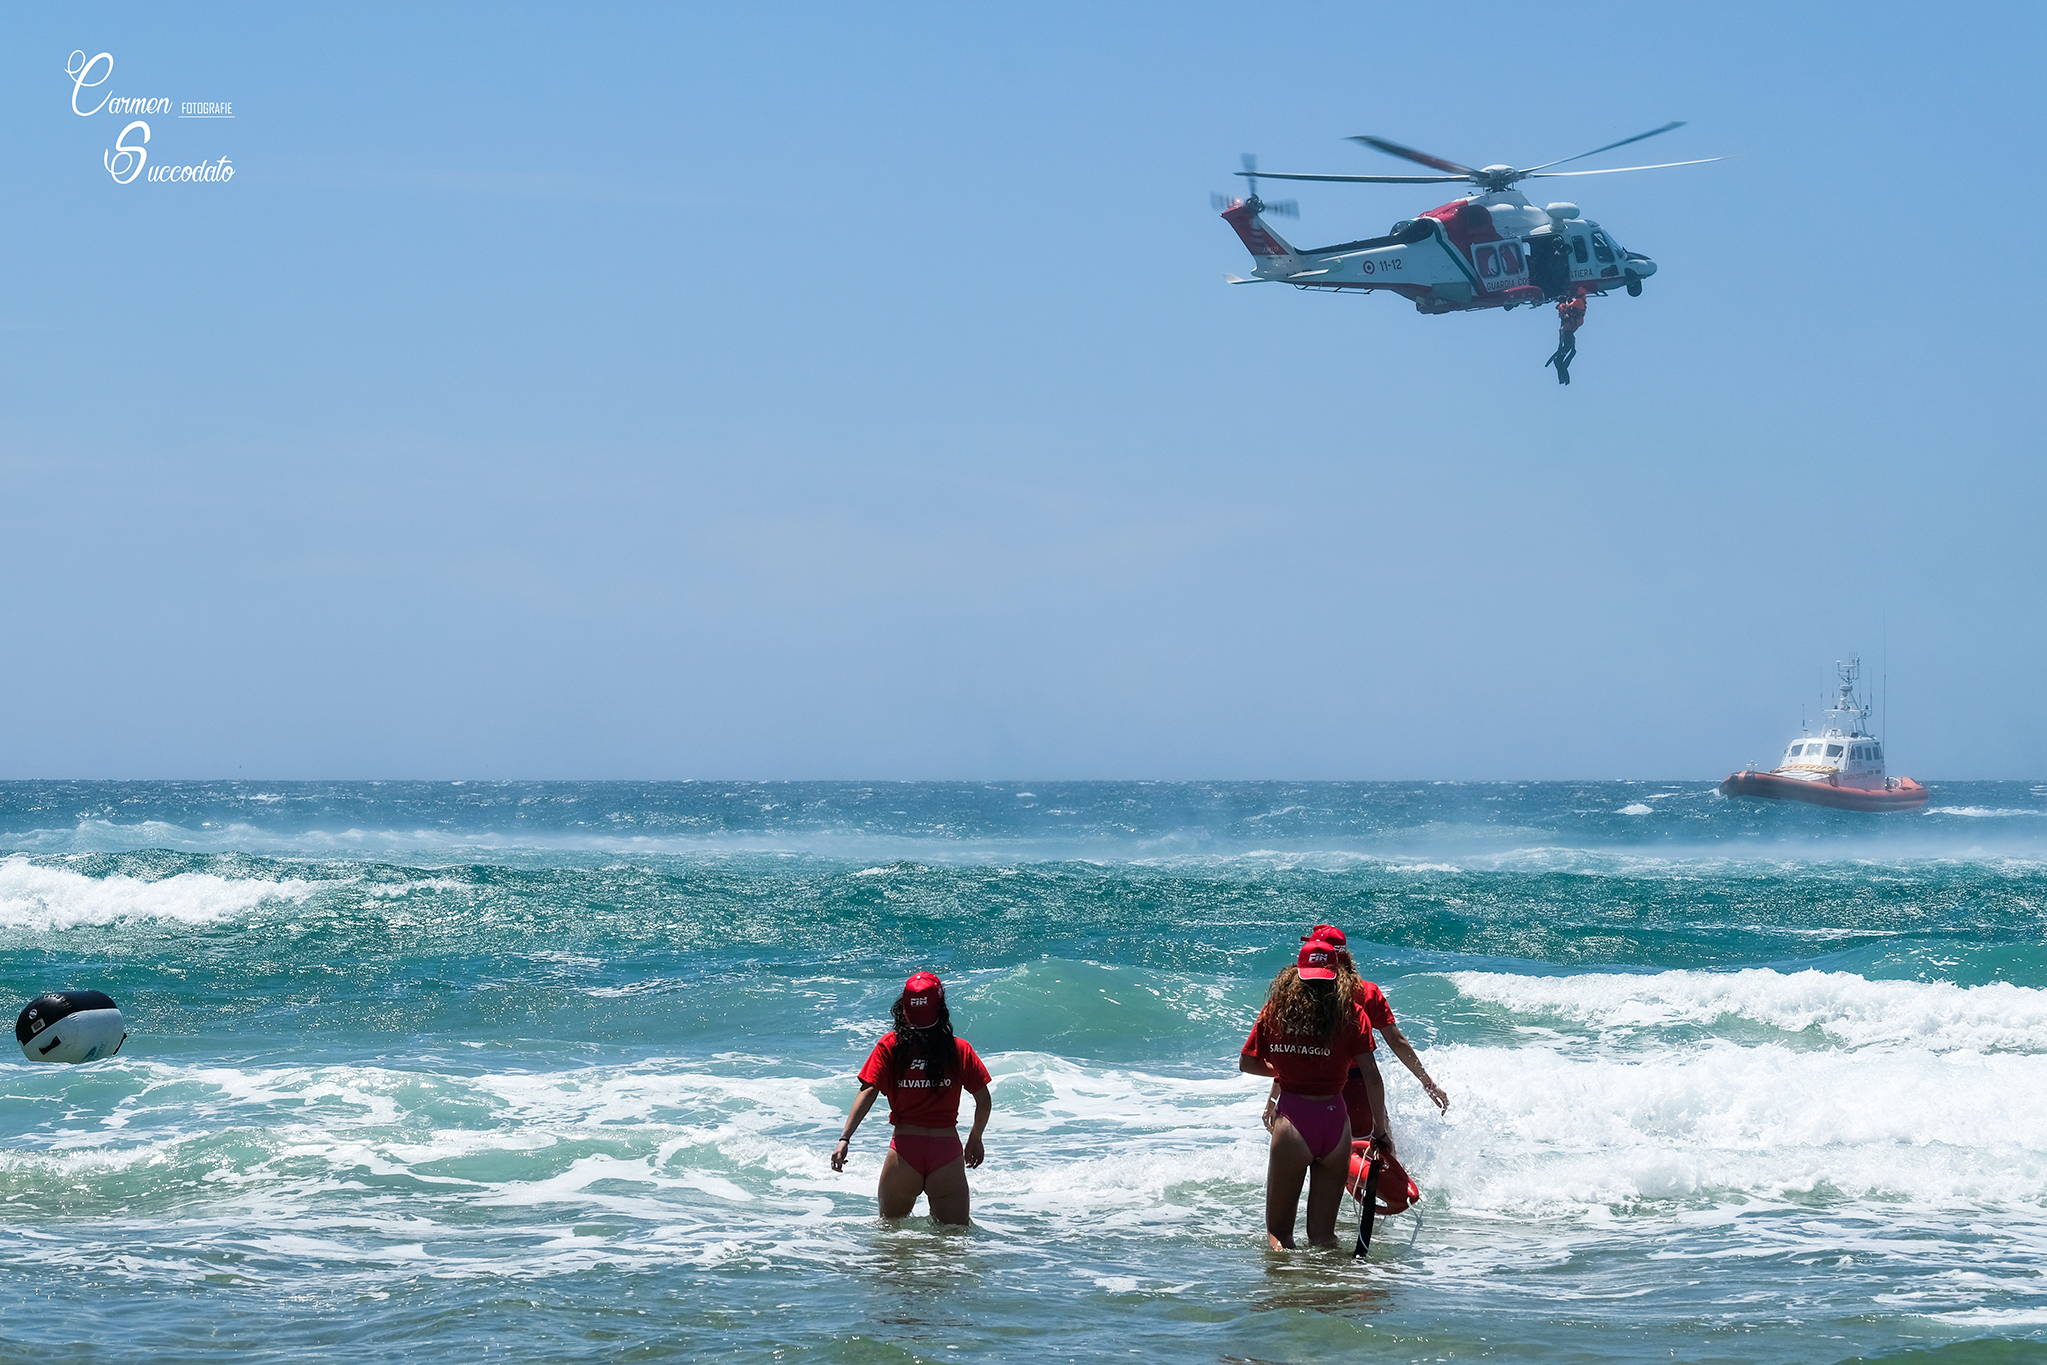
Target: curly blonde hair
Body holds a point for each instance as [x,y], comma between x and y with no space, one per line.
[1309,1009]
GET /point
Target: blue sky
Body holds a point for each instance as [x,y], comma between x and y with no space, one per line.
[807,392]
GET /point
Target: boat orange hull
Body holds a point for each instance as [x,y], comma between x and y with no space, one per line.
[1907,795]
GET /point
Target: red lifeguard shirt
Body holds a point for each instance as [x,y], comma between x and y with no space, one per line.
[1373,1010]
[913,1099]
[1310,1066]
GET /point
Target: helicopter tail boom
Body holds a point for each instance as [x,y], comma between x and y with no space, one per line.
[1258,237]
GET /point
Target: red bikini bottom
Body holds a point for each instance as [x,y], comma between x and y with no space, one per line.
[927,1154]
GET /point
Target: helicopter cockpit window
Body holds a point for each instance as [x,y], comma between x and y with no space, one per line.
[1578,249]
[1602,248]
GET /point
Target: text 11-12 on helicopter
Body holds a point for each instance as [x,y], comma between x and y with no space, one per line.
[1490,249]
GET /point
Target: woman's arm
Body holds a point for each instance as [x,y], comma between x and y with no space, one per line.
[1404,1050]
[862,1102]
[1375,1095]
[983,1103]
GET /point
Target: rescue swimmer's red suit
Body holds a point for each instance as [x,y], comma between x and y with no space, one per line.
[1570,317]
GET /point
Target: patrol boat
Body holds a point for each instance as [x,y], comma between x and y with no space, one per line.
[1843,767]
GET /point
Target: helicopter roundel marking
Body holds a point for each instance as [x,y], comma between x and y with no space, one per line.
[1368,267]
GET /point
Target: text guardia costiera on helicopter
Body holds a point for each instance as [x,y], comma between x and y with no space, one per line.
[1491,248]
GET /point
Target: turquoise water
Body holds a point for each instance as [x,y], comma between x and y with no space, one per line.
[551,1072]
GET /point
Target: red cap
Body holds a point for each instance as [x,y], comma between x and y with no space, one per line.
[923,995]
[1329,933]
[1317,961]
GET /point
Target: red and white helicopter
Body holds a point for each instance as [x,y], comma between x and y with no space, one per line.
[1489,249]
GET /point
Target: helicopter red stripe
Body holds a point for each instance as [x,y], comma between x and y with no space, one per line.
[1256,238]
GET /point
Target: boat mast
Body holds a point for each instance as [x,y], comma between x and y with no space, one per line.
[1847,714]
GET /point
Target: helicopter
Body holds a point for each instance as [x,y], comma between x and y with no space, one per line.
[1490,249]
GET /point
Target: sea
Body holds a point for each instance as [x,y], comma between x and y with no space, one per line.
[544,1071]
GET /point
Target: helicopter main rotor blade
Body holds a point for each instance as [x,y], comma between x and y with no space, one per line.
[1653,132]
[1410,154]
[1363,179]
[1616,170]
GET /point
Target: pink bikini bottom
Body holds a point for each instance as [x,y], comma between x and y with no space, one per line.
[927,1154]
[1319,1119]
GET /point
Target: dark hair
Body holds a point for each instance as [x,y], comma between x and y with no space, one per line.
[935,1044]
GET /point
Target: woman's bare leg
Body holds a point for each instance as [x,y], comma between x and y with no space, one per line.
[1285,1167]
[900,1185]
[1326,1179]
[946,1188]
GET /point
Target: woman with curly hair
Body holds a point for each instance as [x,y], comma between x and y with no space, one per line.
[1305,1039]
[1365,1091]
[924,1069]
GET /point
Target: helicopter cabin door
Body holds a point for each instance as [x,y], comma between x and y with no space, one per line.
[1499,265]
[1593,255]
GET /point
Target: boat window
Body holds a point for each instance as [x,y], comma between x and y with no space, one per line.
[1833,751]
[1876,752]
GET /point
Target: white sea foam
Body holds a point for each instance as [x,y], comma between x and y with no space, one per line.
[1845,1008]
[1548,1129]
[1638,809]
[354,1174]
[34,896]
[1981,811]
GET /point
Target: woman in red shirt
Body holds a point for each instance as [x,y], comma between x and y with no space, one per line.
[1365,1091]
[924,1069]
[1305,1038]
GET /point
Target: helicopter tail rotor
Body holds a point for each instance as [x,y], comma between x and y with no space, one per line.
[1284,208]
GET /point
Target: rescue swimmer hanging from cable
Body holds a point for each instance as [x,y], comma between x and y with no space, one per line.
[1489,249]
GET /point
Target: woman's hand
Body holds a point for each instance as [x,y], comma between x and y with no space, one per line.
[862,1102]
[1271,1113]
[974,1151]
[1439,1095]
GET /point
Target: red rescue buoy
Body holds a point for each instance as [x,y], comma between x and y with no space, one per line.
[1395,1191]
